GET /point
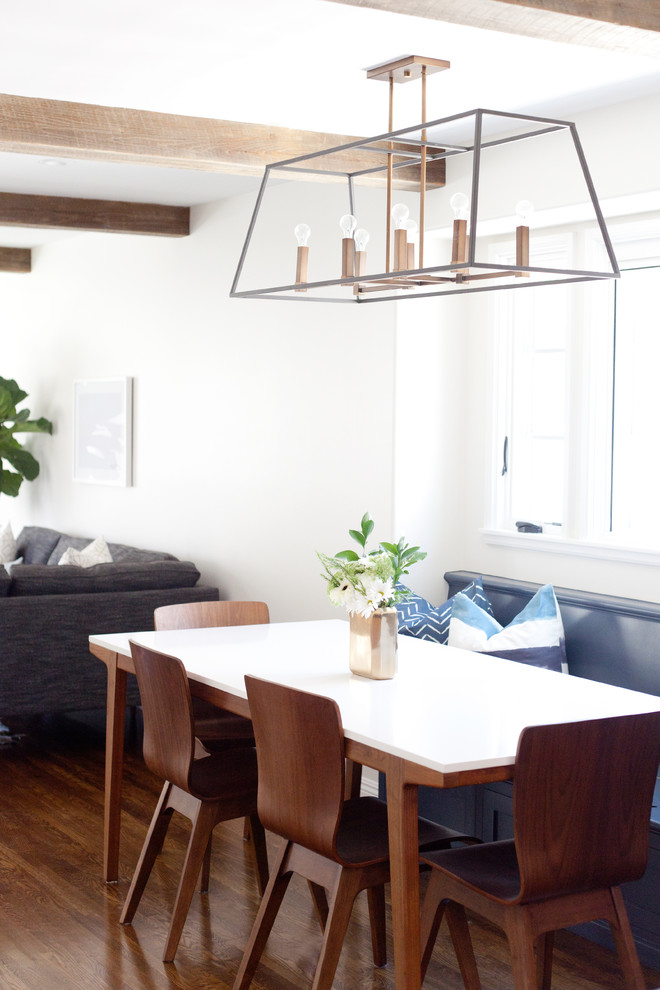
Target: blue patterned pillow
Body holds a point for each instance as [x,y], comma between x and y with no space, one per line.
[535,636]
[419,618]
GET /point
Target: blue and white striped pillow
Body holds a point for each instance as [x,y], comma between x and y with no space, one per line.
[419,618]
[535,636]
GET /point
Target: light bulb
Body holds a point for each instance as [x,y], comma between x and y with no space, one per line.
[348,223]
[400,214]
[460,204]
[361,239]
[302,232]
[524,210]
[411,227]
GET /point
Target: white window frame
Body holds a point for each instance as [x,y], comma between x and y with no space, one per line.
[590,353]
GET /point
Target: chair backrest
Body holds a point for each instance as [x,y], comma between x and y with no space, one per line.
[169,739]
[300,757]
[204,615]
[582,803]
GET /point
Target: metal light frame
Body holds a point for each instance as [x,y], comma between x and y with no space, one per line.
[466,275]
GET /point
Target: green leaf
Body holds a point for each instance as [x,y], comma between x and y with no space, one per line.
[40,425]
[367,525]
[22,460]
[25,465]
[358,537]
[7,404]
[347,555]
[390,548]
[11,385]
[10,483]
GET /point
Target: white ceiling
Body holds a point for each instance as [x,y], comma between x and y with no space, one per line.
[294,63]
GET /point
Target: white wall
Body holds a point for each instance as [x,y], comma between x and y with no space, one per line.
[262,430]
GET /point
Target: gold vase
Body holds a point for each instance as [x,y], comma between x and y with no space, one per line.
[373,644]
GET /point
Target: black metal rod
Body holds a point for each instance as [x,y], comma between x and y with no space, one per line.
[248,236]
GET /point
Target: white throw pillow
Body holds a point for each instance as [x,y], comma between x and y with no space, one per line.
[94,553]
[7,544]
[8,564]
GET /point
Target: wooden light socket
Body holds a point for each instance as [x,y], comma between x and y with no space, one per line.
[301,266]
[410,255]
[347,257]
[522,249]
[360,268]
[459,247]
[400,250]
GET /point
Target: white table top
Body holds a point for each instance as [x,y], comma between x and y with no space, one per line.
[446,709]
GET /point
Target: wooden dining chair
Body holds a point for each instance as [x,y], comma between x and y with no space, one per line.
[214,726]
[338,845]
[581,808]
[213,789]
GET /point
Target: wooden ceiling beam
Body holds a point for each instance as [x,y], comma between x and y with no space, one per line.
[19,210]
[15,259]
[59,129]
[644,14]
[631,26]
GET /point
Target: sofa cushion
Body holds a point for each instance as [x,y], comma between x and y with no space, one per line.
[95,552]
[420,619]
[35,544]
[119,551]
[534,636]
[44,579]
[5,581]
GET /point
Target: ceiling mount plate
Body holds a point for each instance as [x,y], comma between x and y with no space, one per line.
[405,68]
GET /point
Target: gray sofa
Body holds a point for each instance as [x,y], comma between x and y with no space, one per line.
[48,611]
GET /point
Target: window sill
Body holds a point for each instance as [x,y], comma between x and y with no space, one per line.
[546,543]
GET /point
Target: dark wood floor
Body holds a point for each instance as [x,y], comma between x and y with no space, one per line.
[59,925]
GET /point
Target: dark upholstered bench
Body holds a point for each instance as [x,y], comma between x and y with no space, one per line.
[609,639]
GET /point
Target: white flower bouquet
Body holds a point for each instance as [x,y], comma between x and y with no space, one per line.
[366,581]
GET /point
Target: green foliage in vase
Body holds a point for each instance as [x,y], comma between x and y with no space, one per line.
[363,582]
[16,463]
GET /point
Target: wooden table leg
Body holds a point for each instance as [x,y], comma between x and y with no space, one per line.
[404,870]
[114,765]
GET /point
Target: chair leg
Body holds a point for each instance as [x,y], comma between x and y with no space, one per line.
[462,942]
[205,881]
[270,905]
[521,943]
[320,902]
[625,944]
[202,827]
[544,949]
[259,851]
[342,895]
[151,847]
[433,910]
[376,898]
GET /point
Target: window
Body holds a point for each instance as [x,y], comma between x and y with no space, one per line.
[576,374]
[635,448]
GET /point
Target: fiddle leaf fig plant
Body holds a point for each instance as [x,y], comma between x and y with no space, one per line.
[16,463]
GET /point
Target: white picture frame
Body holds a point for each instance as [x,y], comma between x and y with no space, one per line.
[103,427]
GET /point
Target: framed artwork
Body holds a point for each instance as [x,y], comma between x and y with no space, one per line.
[102,424]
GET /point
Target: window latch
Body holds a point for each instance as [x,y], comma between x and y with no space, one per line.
[528,527]
[505,456]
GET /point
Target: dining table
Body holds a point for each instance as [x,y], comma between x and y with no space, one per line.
[448,718]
